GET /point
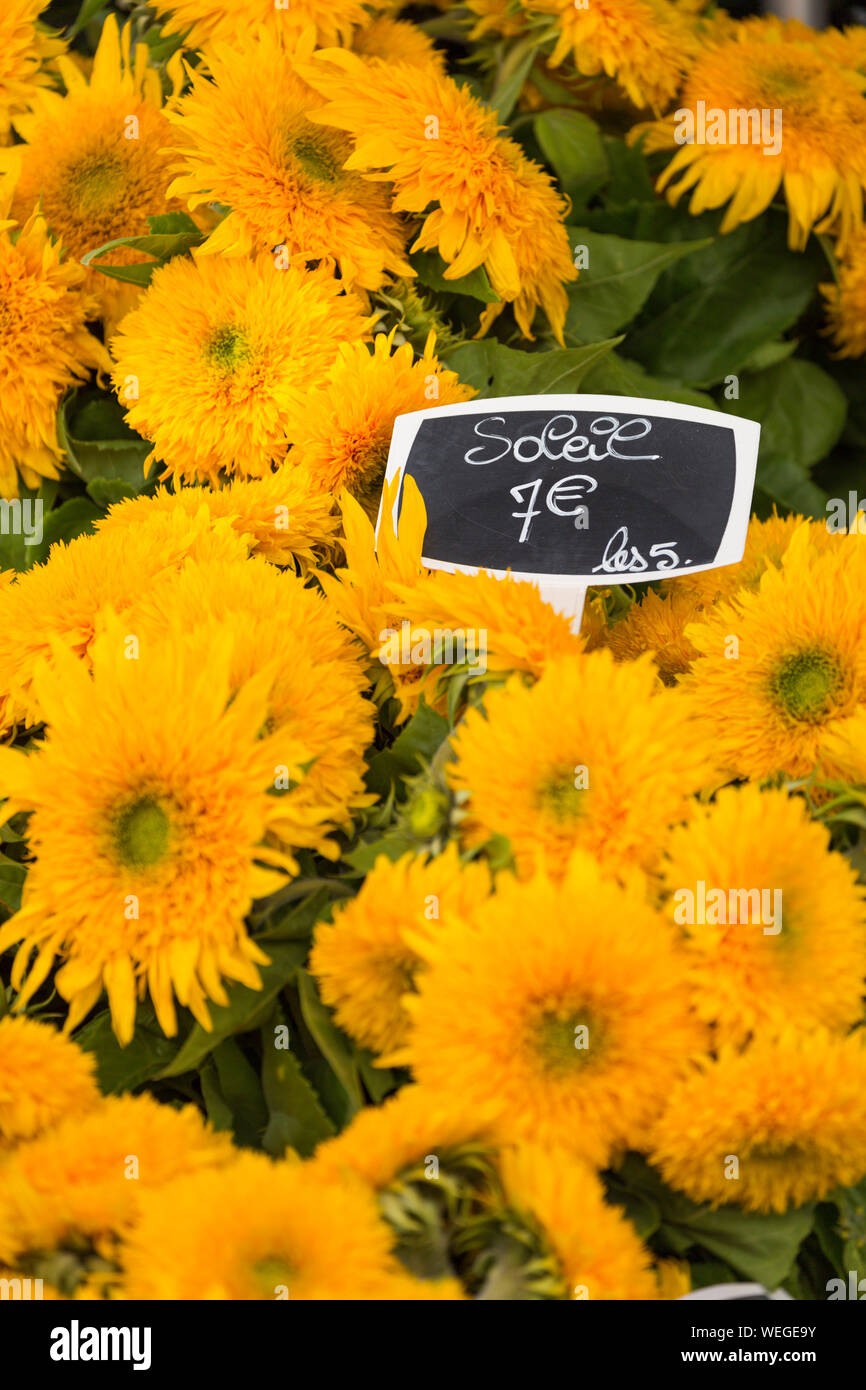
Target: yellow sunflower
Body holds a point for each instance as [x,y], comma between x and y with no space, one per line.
[66,599]
[656,624]
[45,349]
[795,946]
[284,517]
[94,160]
[645,45]
[342,431]
[777,1125]
[362,960]
[766,543]
[202,21]
[438,144]
[245,140]
[398,41]
[781,666]
[25,52]
[567,1006]
[219,352]
[598,1251]
[266,1231]
[43,1078]
[512,624]
[820,162]
[596,755]
[846,302]
[79,1186]
[383,1142]
[169,813]
[361,592]
[316,696]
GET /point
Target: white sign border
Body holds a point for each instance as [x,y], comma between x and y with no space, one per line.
[747,434]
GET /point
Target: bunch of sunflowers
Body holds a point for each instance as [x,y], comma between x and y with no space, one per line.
[329,970]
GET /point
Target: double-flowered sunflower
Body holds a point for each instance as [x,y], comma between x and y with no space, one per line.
[567,1005]
[596,755]
[69,1196]
[342,433]
[316,694]
[363,961]
[264,1231]
[795,946]
[43,1078]
[815,153]
[170,814]
[788,1110]
[596,1248]
[781,667]
[284,517]
[438,145]
[245,139]
[203,21]
[45,348]
[26,52]
[644,45]
[67,600]
[219,355]
[95,159]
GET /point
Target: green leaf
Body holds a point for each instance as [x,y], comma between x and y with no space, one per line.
[511,77]
[802,413]
[712,310]
[617,376]
[496,370]
[241,1012]
[171,234]
[333,1044]
[120,1069]
[242,1092]
[630,180]
[89,10]
[641,1210]
[99,444]
[393,845]
[572,145]
[297,1119]
[415,746]
[297,922]
[106,492]
[431,272]
[12,876]
[619,277]
[218,1112]
[760,1247]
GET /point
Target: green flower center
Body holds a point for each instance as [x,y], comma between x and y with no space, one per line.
[806,684]
[563,796]
[96,183]
[565,1039]
[227,349]
[316,160]
[271,1273]
[142,834]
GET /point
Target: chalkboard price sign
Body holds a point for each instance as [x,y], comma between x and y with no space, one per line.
[571,491]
